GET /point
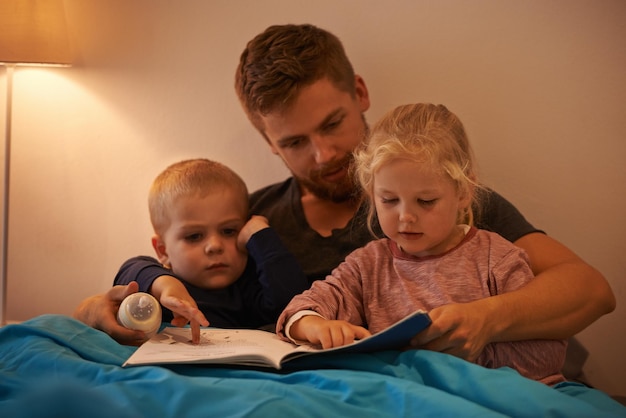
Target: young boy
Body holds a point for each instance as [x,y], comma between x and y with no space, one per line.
[198,209]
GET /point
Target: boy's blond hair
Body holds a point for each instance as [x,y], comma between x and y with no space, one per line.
[196,177]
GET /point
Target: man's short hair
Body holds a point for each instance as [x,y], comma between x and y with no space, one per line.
[283,59]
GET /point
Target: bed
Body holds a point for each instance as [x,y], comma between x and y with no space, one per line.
[53,365]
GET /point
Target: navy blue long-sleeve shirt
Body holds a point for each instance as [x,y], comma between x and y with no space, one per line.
[271,278]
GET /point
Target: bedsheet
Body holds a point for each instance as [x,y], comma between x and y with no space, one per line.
[53,365]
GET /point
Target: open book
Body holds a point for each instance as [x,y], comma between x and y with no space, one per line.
[249,347]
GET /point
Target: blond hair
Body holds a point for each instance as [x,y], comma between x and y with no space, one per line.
[423,133]
[196,177]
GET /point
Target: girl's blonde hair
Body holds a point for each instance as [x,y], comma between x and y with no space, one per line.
[423,133]
[196,177]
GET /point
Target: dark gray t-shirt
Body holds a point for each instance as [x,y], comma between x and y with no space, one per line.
[318,256]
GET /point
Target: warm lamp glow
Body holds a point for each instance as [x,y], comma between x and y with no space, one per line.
[33,32]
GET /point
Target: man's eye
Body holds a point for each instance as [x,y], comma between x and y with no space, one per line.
[294,143]
[332,125]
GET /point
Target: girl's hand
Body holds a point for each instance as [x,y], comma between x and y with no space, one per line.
[327,333]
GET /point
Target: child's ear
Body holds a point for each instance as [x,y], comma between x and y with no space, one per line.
[465,196]
[159,247]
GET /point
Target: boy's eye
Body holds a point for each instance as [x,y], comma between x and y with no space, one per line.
[193,237]
[229,232]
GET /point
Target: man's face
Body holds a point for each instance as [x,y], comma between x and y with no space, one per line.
[315,137]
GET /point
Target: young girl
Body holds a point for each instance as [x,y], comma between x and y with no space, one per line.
[418,173]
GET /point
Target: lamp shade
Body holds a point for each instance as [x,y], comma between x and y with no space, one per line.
[33,32]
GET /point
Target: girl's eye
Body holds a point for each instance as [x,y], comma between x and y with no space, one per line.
[426,202]
[387,201]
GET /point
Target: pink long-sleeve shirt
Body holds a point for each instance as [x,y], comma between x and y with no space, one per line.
[379,284]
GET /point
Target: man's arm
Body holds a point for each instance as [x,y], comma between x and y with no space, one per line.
[100,312]
[565,297]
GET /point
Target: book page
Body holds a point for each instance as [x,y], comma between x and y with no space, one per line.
[241,346]
[260,348]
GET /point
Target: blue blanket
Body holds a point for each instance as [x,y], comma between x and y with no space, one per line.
[55,366]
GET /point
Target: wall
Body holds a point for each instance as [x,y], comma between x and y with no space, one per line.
[539,85]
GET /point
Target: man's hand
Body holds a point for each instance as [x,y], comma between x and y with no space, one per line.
[173,295]
[327,333]
[458,329]
[100,312]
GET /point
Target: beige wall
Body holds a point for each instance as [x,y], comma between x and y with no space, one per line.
[540,86]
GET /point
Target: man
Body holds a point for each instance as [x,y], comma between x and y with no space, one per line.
[299,90]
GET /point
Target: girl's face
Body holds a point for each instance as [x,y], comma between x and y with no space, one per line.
[200,244]
[417,207]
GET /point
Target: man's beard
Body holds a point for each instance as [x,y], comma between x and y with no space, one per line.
[345,190]
[338,192]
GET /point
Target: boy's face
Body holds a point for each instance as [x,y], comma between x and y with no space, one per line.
[200,245]
[316,135]
[417,207]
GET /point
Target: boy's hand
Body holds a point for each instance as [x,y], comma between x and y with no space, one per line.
[173,295]
[327,333]
[254,225]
